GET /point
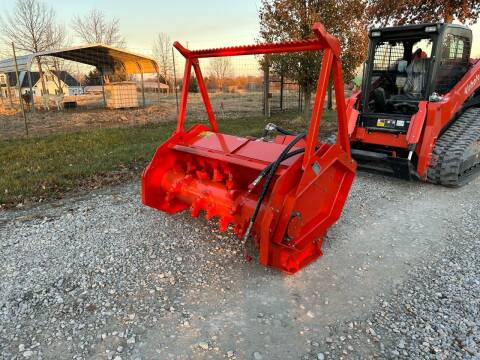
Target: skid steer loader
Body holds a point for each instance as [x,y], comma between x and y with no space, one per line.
[417,114]
[283,194]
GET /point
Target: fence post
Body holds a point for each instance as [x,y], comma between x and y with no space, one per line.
[158,85]
[158,81]
[281,91]
[299,98]
[19,87]
[266,87]
[175,77]
[31,90]
[143,88]
[9,91]
[103,89]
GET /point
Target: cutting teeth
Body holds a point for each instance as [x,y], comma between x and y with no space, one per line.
[223,223]
[210,213]
[239,230]
[217,175]
[195,208]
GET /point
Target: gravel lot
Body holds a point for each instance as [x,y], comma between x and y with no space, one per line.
[102,277]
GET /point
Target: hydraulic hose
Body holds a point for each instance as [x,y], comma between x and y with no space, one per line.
[267,169]
[285,132]
[271,172]
[272,127]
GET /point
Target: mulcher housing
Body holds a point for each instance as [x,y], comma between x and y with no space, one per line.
[203,170]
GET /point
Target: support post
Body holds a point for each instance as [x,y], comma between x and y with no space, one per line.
[143,85]
[204,92]
[19,87]
[183,100]
[31,89]
[103,88]
[318,106]
[342,137]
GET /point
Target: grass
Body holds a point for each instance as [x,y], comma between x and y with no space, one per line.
[49,167]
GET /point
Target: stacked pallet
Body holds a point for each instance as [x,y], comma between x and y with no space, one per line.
[121,95]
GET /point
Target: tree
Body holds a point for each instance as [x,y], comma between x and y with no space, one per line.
[283,20]
[94,28]
[193,86]
[93,78]
[32,28]
[162,51]
[399,12]
[220,68]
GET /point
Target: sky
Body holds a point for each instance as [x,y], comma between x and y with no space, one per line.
[200,23]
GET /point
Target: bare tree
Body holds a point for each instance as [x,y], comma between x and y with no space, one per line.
[220,68]
[162,51]
[94,28]
[32,27]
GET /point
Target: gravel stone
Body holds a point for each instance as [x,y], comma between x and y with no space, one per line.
[203,345]
[28,353]
[257,356]
[83,277]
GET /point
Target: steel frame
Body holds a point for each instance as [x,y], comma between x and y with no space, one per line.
[330,64]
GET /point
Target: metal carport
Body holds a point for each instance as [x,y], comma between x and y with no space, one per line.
[105,58]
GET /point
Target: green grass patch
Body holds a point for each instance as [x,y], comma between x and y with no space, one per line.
[48,167]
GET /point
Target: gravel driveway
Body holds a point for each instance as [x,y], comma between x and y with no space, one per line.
[102,277]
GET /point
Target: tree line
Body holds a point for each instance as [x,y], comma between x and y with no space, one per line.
[348,20]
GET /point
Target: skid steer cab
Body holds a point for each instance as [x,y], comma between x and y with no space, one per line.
[282,194]
[417,115]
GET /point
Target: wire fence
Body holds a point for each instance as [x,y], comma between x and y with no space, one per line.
[61,95]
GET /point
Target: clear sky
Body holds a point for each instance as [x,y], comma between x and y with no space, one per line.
[203,23]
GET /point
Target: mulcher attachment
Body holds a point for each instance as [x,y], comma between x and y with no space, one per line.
[283,194]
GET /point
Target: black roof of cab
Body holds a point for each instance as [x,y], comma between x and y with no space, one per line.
[416,29]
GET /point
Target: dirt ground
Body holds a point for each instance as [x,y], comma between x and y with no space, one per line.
[103,277]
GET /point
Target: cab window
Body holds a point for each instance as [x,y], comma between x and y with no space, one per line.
[453,63]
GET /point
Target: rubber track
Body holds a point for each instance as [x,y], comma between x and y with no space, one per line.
[447,156]
[441,148]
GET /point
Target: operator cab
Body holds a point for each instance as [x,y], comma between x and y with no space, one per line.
[409,64]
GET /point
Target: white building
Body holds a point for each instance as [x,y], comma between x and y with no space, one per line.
[54,81]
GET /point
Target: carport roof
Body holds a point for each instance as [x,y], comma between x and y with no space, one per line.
[104,57]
